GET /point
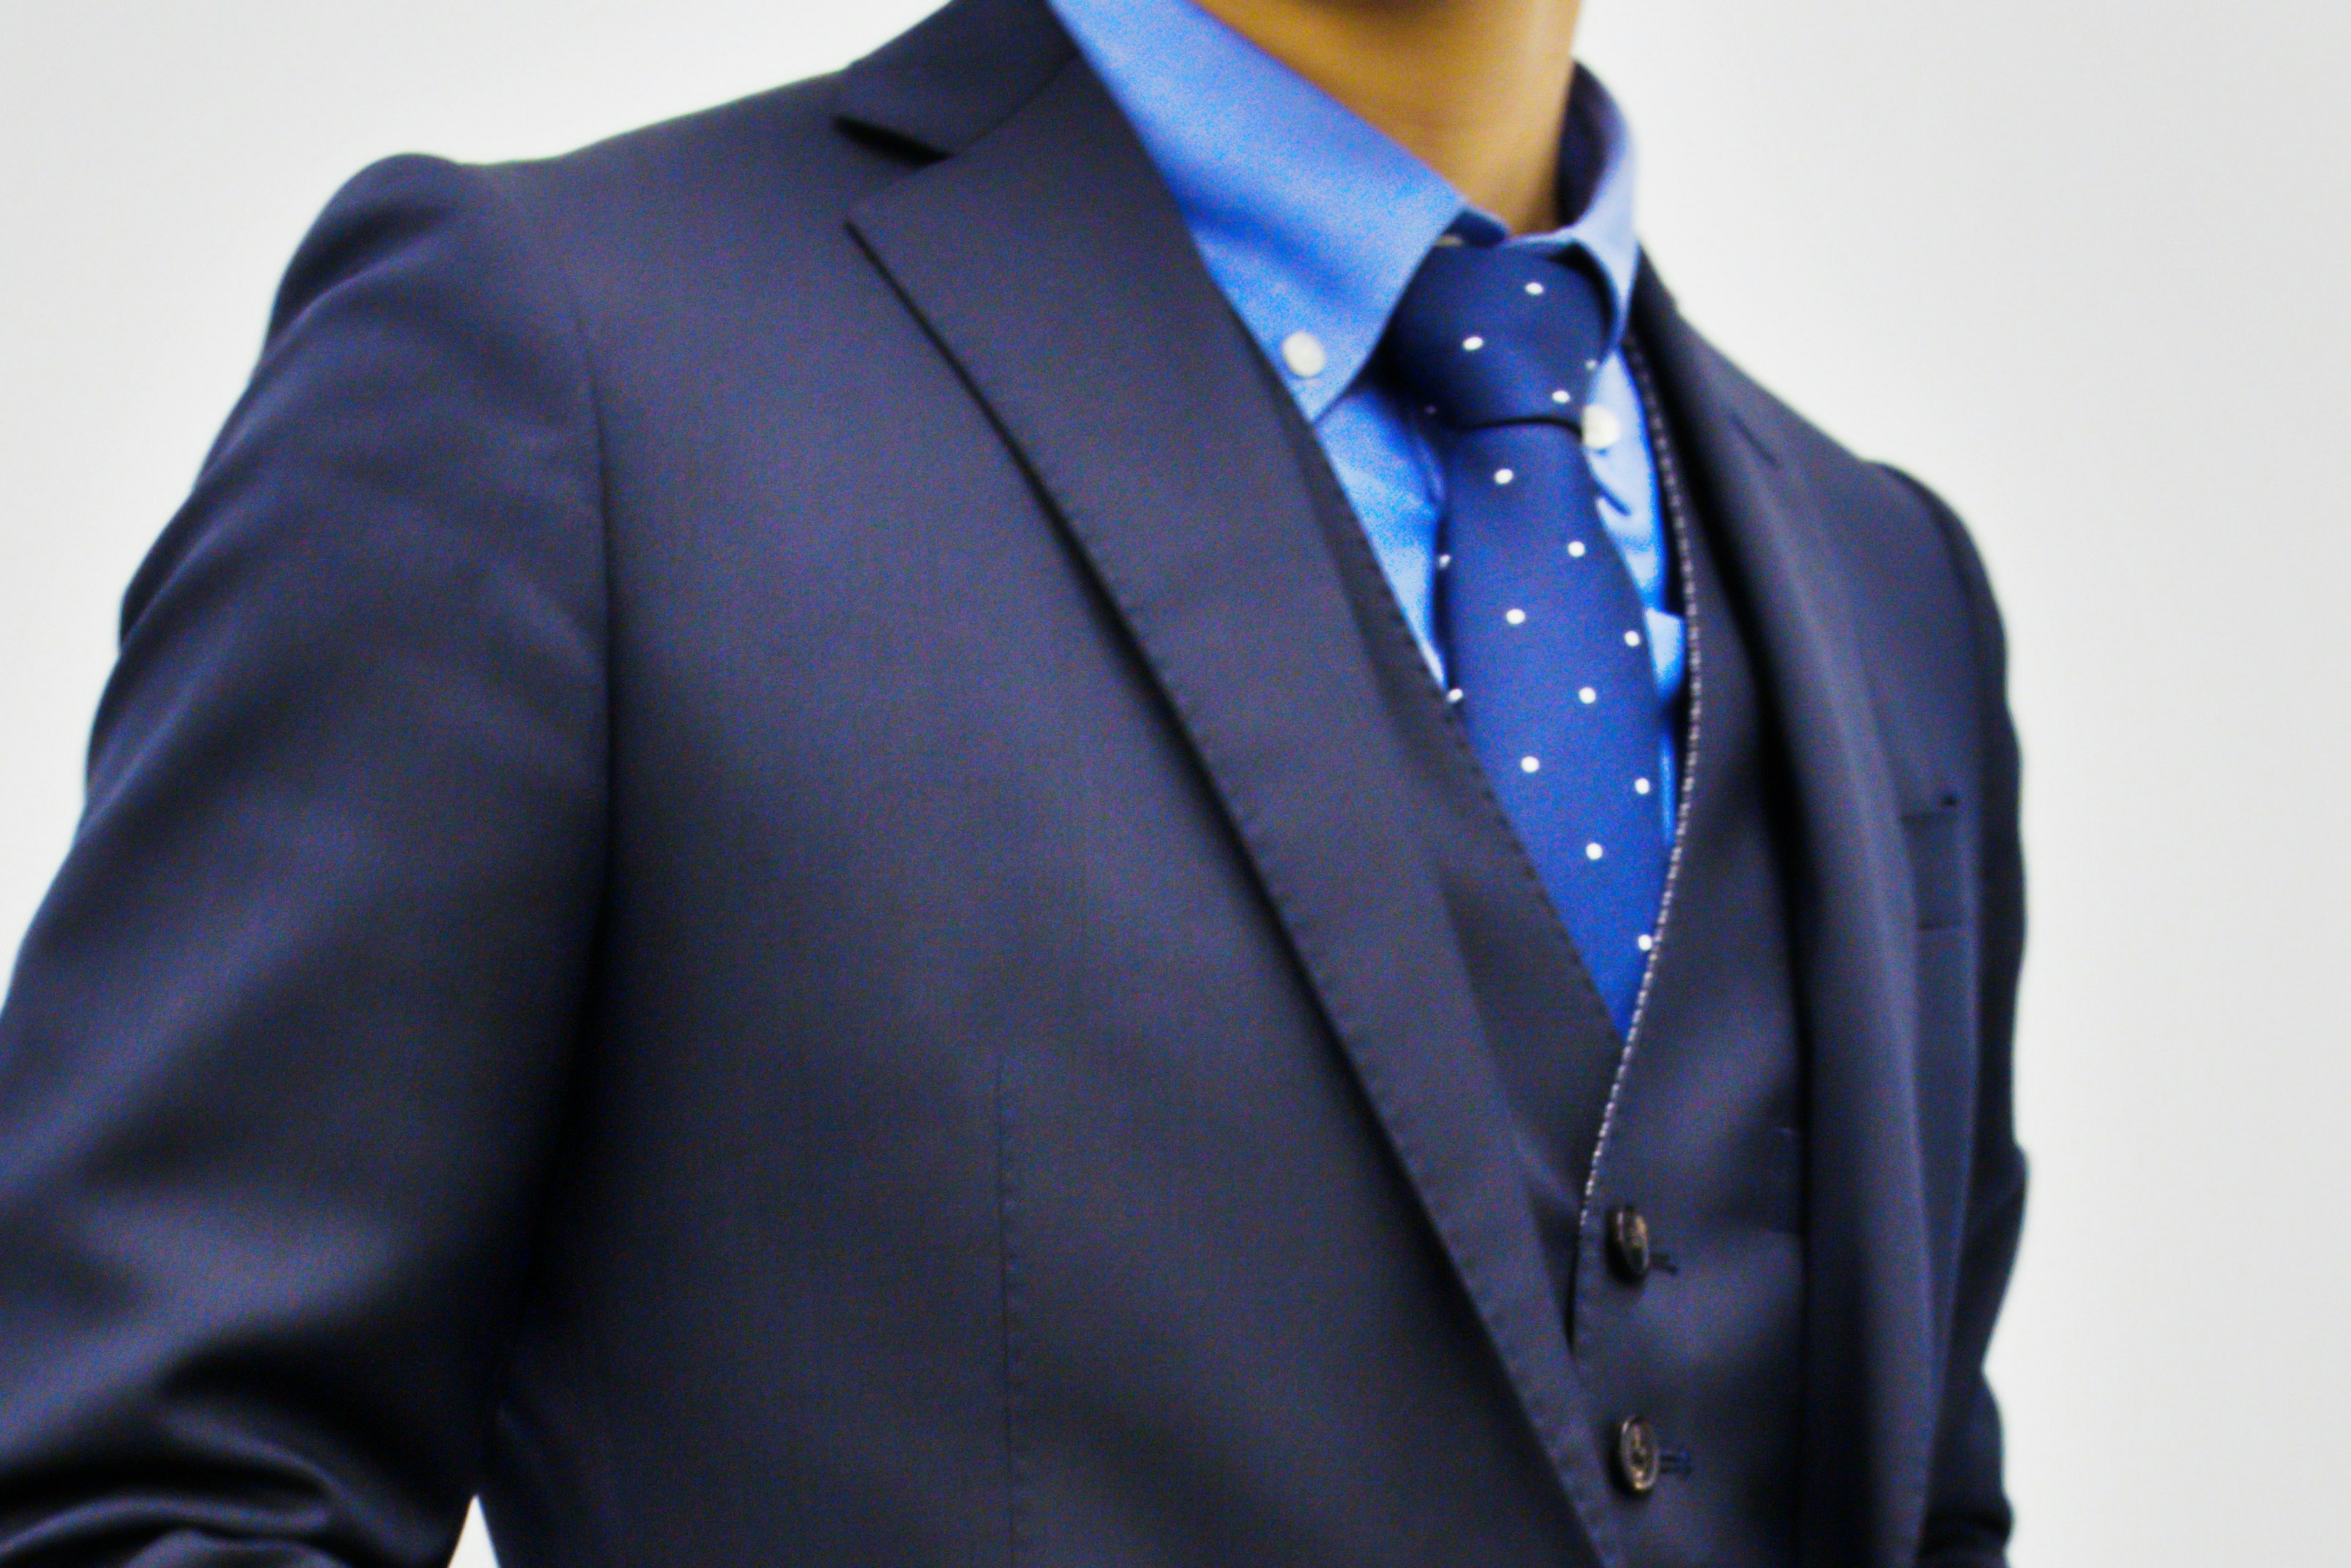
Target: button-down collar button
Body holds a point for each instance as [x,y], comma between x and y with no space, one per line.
[1637,1460]
[1602,429]
[1628,1244]
[1304,354]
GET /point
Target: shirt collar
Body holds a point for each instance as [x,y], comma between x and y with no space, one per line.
[1309,218]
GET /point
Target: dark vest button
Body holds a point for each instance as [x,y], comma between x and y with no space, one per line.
[1638,1463]
[1628,1244]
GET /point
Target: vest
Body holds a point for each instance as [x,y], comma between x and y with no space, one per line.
[1665,1181]
[1687,1321]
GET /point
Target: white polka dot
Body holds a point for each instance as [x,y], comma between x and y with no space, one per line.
[1591,364]
[1534,288]
[1304,354]
[1529,764]
[1473,343]
[1640,786]
[1455,696]
[1576,548]
[1561,396]
[1647,942]
[1588,694]
[1593,852]
[1503,475]
[1632,639]
[1515,617]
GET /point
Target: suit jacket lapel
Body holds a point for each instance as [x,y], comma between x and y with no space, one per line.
[1048,261]
[1869,1321]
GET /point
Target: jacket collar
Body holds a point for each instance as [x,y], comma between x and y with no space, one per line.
[955,76]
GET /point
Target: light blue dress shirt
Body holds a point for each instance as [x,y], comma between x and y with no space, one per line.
[1312,222]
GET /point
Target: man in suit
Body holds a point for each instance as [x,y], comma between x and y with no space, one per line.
[1081,799]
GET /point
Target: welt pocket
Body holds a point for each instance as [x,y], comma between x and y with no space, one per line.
[1932,837]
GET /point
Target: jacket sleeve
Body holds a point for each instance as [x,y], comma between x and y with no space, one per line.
[283,1055]
[1968,1519]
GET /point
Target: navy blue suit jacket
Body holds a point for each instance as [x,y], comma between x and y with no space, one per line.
[744,884]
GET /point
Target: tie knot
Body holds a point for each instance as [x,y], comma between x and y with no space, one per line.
[1499,335]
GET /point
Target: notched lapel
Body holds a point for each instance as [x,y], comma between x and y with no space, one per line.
[1050,263]
[1869,1320]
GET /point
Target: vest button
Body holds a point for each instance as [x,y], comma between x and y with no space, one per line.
[1637,1462]
[1628,1244]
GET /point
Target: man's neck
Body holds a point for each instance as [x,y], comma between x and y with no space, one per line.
[1476,88]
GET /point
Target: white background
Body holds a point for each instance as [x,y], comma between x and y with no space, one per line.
[2079,265]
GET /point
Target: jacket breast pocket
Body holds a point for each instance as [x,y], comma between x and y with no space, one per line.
[1932,837]
[1945,948]
[1948,1059]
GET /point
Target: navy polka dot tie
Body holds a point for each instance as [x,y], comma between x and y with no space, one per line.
[1545,644]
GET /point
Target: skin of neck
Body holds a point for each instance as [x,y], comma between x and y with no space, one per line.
[1476,88]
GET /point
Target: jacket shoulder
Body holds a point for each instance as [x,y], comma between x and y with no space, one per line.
[733,185]
[1906,566]
[1868,506]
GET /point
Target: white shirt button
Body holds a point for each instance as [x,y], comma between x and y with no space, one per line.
[1304,354]
[1602,429]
